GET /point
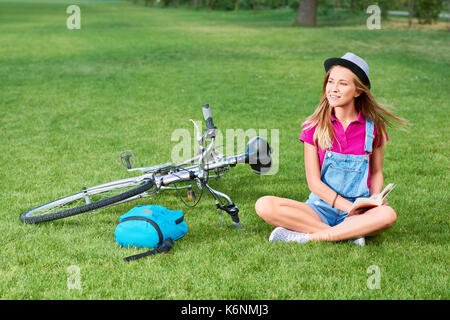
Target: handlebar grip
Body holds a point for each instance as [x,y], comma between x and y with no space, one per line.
[235,217]
[208,117]
[236,222]
[233,210]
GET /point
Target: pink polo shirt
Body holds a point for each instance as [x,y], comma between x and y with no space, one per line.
[351,140]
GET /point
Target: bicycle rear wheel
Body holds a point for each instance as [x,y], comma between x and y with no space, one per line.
[87,200]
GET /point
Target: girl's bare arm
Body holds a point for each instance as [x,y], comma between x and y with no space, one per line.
[376,171]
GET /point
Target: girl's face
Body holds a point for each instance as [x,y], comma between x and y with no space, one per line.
[340,88]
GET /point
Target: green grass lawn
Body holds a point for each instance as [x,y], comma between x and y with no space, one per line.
[71,100]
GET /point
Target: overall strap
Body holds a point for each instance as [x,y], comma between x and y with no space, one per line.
[369,136]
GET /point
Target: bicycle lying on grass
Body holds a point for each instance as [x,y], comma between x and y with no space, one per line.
[154,179]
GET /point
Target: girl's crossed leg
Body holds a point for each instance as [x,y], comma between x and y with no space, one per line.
[298,216]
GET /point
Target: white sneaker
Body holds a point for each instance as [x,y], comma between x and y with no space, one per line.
[359,241]
[285,235]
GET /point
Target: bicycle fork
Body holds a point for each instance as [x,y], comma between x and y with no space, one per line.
[231,208]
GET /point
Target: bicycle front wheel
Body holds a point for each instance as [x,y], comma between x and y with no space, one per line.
[87,200]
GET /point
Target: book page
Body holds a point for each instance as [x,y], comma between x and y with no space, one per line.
[383,194]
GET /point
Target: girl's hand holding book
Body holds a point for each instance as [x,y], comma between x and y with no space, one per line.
[376,195]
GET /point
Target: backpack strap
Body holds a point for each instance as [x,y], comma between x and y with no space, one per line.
[164,249]
[160,249]
[153,223]
[179,220]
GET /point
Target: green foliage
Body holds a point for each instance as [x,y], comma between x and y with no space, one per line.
[294,4]
[273,4]
[325,7]
[221,4]
[427,11]
[356,6]
[328,7]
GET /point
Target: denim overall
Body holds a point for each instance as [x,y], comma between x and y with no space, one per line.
[347,175]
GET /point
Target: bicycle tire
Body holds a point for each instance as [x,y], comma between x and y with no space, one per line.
[27,217]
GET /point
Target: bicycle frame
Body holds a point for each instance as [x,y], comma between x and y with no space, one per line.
[161,177]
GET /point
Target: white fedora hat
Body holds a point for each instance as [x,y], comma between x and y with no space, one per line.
[351,61]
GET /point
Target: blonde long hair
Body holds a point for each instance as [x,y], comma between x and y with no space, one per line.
[364,103]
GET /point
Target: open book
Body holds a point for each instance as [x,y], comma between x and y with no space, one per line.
[368,203]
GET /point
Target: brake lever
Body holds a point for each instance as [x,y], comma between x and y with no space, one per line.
[199,137]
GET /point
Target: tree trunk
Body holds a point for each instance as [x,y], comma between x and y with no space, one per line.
[307,11]
[410,12]
[236,5]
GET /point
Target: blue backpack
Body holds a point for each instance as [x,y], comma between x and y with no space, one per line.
[150,226]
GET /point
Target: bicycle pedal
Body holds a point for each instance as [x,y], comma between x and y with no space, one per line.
[124,158]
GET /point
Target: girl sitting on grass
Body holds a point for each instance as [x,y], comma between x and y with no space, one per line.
[344,141]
